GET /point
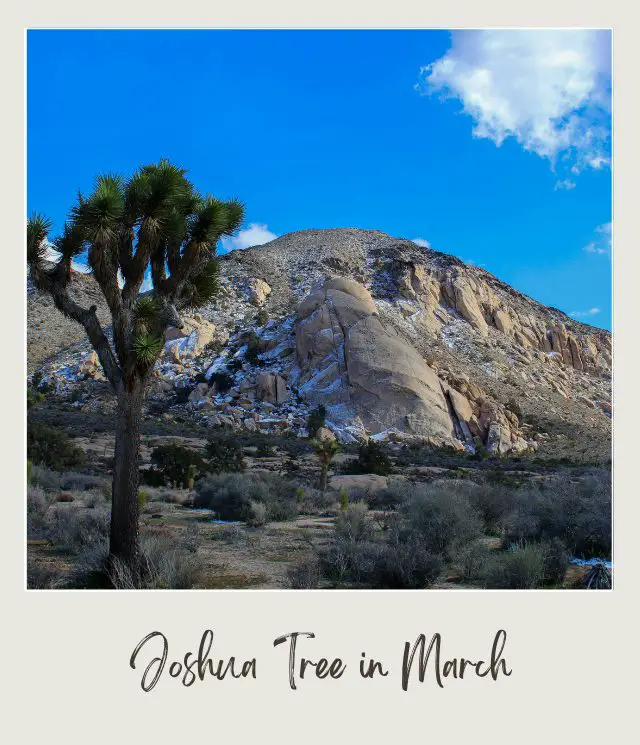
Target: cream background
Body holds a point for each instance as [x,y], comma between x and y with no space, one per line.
[65,674]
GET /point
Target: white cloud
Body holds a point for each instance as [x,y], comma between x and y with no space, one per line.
[584,313]
[601,244]
[255,235]
[548,89]
[421,242]
[567,184]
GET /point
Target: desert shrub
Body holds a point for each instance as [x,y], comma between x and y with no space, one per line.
[262,317]
[80,481]
[472,559]
[189,538]
[164,565]
[371,459]
[74,530]
[556,561]
[390,497]
[258,511]
[265,451]
[41,577]
[34,397]
[93,498]
[229,534]
[230,495]
[405,565]
[224,455]
[253,349]
[597,578]
[46,478]
[152,477]
[305,576]
[391,564]
[353,524]
[492,503]
[52,448]
[520,569]
[576,511]
[313,501]
[38,504]
[221,381]
[442,517]
[173,461]
[316,420]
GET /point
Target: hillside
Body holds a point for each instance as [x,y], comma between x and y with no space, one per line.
[397,341]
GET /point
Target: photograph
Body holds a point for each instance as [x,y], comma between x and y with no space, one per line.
[319,309]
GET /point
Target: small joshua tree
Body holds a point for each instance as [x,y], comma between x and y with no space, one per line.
[155,220]
[325,451]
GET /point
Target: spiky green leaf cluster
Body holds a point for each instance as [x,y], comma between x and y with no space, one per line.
[147,348]
[204,286]
[148,310]
[38,228]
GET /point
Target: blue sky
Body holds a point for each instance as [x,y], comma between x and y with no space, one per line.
[492,146]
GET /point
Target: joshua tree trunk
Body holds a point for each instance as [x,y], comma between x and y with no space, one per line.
[324,469]
[124,511]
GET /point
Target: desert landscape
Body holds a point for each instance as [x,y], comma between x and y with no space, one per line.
[351,410]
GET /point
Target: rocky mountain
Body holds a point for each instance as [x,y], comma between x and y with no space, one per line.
[396,341]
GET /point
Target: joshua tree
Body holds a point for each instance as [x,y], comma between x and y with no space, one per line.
[325,450]
[154,221]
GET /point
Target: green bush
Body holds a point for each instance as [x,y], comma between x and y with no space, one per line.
[372,459]
[522,569]
[441,517]
[404,566]
[316,420]
[230,495]
[173,461]
[253,350]
[353,524]
[262,317]
[492,503]
[52,448]
[224,455]
[576,511]
[221,381]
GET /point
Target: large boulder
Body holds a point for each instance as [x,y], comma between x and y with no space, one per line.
[258,291]
[191,340]
[361,368]
[272,388]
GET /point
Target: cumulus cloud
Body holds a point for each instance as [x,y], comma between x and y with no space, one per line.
[421,242]
[601,244]
[550,90]
[255,235]
[584,313]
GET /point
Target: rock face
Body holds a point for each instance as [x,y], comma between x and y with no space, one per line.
[363,371]
[397,341]
[191,340]
[353,364]
[258,291]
